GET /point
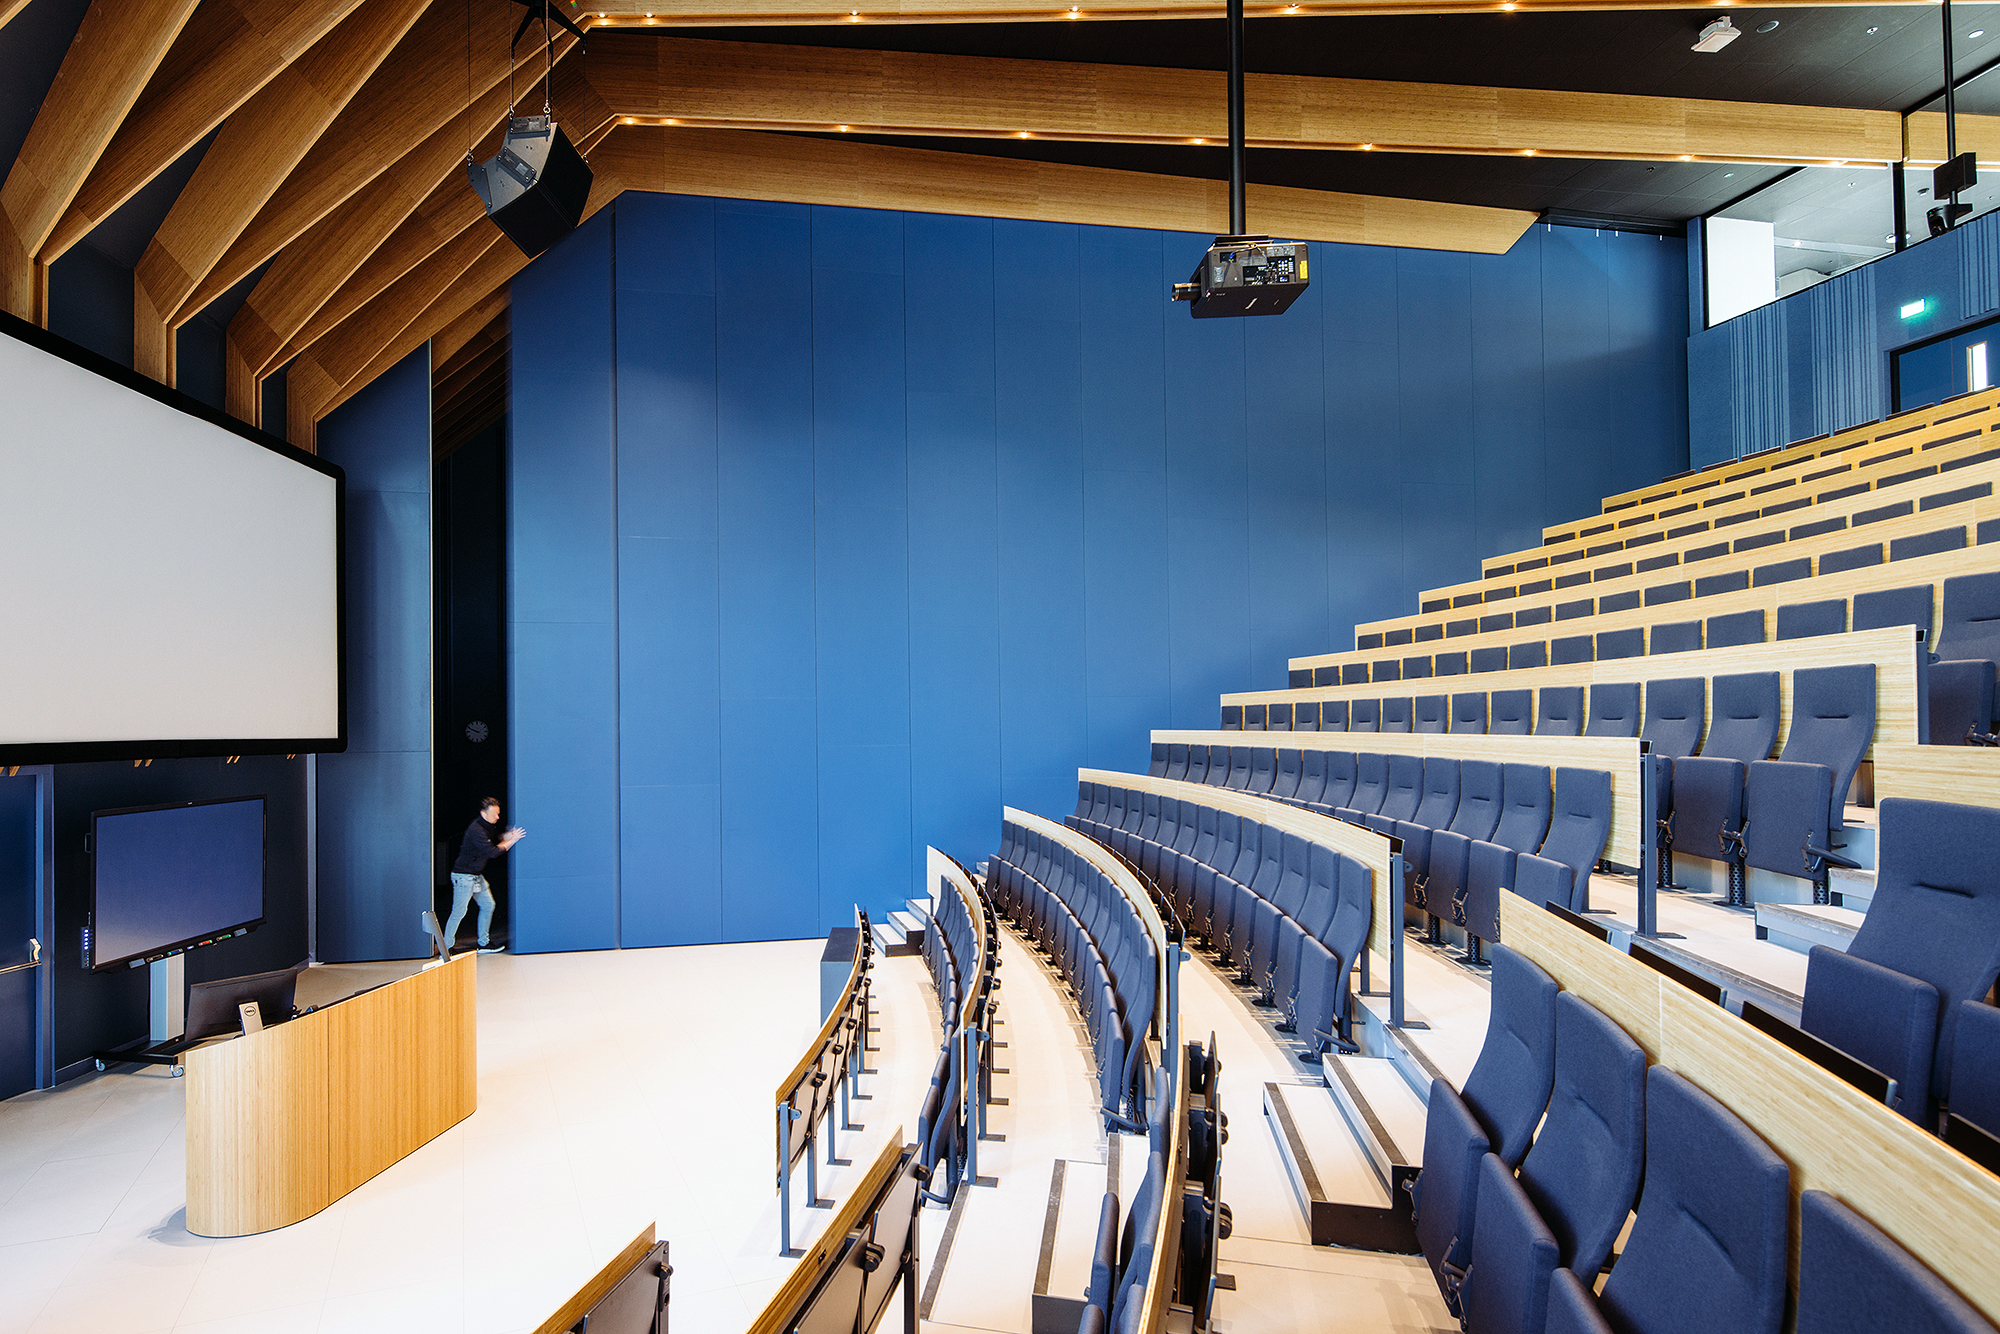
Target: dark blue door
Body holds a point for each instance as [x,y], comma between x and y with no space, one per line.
[1934,372]
[21,866]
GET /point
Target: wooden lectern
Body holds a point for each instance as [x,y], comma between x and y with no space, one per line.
[282,1123]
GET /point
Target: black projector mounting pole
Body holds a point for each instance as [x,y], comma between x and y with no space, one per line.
[1237,224]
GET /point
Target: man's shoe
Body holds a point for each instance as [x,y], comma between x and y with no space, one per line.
[495,948]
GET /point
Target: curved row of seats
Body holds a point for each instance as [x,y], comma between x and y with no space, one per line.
[961,952]
[1122,1260]
[1530,1173]
[1075,913]
[1289,914]
[1470,828]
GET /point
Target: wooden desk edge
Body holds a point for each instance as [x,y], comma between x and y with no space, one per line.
[602,1282]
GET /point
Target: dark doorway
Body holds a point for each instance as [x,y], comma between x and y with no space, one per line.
[469,490]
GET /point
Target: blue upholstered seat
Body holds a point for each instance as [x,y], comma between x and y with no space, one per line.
[1333,715]
[1432,714]
[1398,712]
[1291,766]
[1506,1287]
[1322,1008]
[1513,713]
[1371,784]
[1708,789]
[1435,809]
[1478,811]
[1793,805]
[1975,1067]
[1363,715]
[1931,940]
[1614,709]
[1854,1280]
[1961,689]
[1502,1101]
[1675,637]
[1675,712]
[1579,824]
[1468,712]
[1803,620]
[1559,711]
[1736,628]
[1524,822]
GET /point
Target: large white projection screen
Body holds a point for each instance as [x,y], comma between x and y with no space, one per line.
[162,579]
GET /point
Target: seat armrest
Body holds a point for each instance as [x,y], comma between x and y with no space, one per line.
[1541,880]
[1831,858]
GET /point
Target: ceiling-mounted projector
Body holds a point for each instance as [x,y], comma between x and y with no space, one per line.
[535,187]
[1246,275]
[1717,35]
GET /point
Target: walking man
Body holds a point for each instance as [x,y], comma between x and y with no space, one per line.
[468,881]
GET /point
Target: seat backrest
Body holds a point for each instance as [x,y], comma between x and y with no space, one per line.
[1674,715]
[1291,765]
[1305,716]
[1579,823]
[1524,807]
[1970,625]
[1742,717]
[1239,768]
[1312,775]
[1364,715]
[1894,606]
[1675,637]
[1559,711]
[1478,799]
[1333,715]
[1513,713]
[1291,893]
[1803,620]
[1936,911]
[1353,912]
[1614,709]
[1433,714]
[1396,713]
[1263,768]
[1854,1280]
[1322,888]
[1508,1088]
[1975,1071]
[1583,1171]
[1513,1254]
[1228,840]
[1468,712]
[1278,718]
[1707,1250]
[1177,762]
[1158,767]
[1371,782]
[1522,657]
[1253,717]
[1440,796]
[1197,769]
[1405,789]
[1342,773]
[1232,717]
[1742,627]
[1833,721]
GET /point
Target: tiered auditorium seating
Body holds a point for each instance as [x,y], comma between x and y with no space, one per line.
[1930,941]
[1294,913]
[1123,1260]
[1453,865]
[1077,915]
[1707,1249]
[959,949]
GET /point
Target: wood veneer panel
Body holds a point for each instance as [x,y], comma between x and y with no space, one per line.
[763,86]
[774,1317]
[1969,775]
[743,13]
[227,52]
[1933,1201]
[600,1285]
[258,1134]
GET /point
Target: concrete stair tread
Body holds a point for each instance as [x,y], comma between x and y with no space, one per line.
[1823,913]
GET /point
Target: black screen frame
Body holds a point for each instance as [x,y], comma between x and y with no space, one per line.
[96,965]
[75,752]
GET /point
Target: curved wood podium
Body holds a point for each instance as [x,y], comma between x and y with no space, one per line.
[282,1123]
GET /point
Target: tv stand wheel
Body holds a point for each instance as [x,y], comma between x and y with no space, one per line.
[178,1071]
[99,1065]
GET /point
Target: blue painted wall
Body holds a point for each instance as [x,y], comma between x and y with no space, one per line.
[374,840]
[1819,361]
[820,558]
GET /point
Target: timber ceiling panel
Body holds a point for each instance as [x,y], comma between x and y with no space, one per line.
[309,153]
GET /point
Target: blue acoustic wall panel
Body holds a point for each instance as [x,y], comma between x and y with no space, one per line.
[917,515]
[563,605]
[375,834]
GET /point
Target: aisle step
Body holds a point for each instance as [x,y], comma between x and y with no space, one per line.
[909,928]
[1800,926]
[1069,1242]
[891,941]
[1345,1159]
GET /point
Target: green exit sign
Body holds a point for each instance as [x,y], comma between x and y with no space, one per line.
[1915,308]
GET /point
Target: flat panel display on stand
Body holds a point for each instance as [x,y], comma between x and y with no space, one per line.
[167,879]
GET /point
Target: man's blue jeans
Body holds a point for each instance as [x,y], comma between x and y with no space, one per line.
[464,889]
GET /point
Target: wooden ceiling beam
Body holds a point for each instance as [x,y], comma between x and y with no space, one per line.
[9,8]
[418,92]
[747,165]
[251,157]
[116,49]
[469,338]
[631,14]
[311,391]
[749,85]
[449,209]
[227,52]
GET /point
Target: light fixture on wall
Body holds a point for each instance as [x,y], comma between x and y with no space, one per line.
[1716,36]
